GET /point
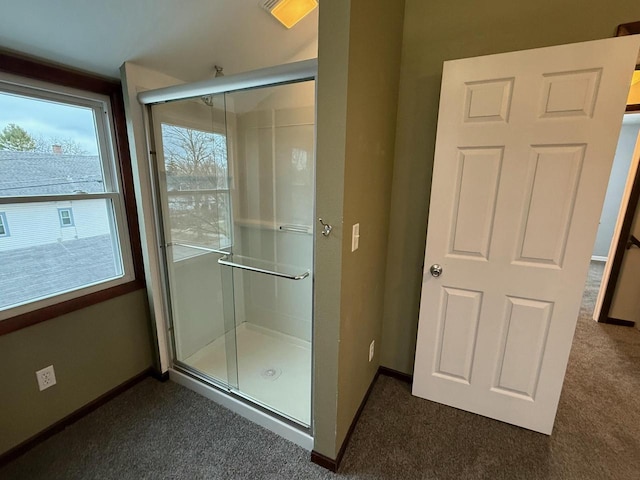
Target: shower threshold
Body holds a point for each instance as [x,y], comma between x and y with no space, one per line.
[273,369]
[247,409]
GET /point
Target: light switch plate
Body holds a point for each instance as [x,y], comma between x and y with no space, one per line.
[355,237]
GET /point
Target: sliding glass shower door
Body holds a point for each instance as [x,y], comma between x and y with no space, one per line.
[235,178]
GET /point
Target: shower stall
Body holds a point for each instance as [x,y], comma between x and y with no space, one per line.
[233,163]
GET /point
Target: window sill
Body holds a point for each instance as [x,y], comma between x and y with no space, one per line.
[47,313]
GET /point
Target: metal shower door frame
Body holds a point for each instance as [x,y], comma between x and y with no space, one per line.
[290,73]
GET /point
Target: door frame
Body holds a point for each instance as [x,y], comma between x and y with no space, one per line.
[623,229]
[620,237]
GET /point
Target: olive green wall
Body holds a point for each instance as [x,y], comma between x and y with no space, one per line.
[358,73]
[331,117]
[435,31]
[92,350]
[372,100]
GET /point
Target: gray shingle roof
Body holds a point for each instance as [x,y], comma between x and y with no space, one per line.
[29,173]
[33,272]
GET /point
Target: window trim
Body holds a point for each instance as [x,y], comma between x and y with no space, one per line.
[5,225]
[63,77]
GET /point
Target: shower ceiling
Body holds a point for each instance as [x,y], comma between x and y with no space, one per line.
[182,39]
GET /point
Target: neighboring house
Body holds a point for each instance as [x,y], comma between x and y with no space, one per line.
[48,247]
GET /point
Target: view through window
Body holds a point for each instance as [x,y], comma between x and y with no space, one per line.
[59,197]
[197,187]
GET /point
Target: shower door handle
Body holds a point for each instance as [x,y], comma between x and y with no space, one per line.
[224,261]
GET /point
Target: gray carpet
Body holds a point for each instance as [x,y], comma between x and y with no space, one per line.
[159,431]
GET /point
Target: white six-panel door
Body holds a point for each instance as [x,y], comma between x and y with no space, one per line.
[524,148]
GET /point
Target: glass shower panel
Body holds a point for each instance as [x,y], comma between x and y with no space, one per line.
[271,152]
[193,180]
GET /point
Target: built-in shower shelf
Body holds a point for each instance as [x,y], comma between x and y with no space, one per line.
[266,225]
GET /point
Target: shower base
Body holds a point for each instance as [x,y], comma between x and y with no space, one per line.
[272,368]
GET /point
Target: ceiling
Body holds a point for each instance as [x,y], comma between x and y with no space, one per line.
[182,38]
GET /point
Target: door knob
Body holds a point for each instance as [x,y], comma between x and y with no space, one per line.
[436,270]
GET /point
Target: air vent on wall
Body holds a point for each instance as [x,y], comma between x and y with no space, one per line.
[269,4]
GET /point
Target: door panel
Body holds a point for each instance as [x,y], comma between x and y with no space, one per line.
[524,337]
[550,196]
[191,163]
[476,192]
[459,314]
[524,147]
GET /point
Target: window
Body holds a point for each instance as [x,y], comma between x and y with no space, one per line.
[62,166]
[4,226]
[66,217]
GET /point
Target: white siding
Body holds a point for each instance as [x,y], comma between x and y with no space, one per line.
[34,224]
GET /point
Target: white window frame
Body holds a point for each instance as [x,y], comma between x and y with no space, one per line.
[112,177]
[4,224]
[62,218]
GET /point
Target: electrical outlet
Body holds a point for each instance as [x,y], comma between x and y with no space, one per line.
[372,349]
[355,237]
[46,377]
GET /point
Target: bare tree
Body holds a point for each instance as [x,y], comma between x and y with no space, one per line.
[195,158]
[68,146]
[196,163]
[14,137]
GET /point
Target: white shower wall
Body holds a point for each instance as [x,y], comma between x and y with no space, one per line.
[273,166]
[279,304]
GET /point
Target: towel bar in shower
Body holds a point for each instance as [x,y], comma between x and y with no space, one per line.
[224,261]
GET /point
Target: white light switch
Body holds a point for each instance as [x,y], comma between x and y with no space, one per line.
[355,237]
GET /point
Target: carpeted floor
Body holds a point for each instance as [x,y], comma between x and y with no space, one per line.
[163,431]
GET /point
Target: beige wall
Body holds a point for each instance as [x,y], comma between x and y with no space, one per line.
[359,55]
[436,31]
[92,350]
[136,79]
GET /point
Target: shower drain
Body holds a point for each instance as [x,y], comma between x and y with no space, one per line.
[270,373]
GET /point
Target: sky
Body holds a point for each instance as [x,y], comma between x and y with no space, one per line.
[50,120]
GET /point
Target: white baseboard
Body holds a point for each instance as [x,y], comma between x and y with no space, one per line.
[253,414]
[598,258]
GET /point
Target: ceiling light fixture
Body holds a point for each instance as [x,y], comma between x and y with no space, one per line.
[290,12]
